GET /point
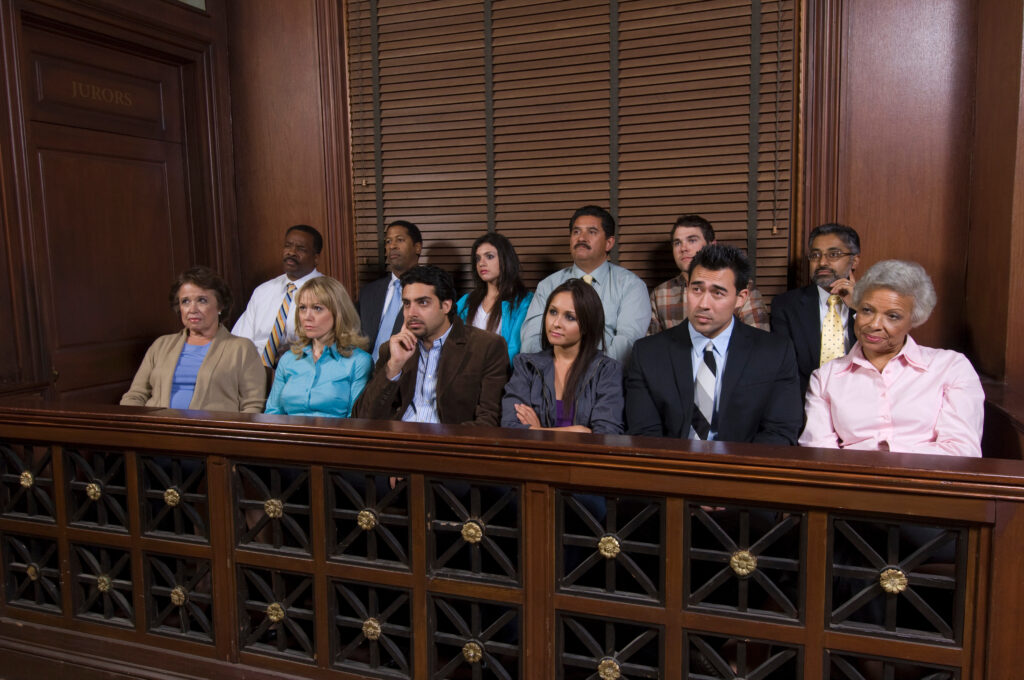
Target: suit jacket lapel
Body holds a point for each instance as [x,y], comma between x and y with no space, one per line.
[741,346]
[682,375]
[810,318]
[452,358]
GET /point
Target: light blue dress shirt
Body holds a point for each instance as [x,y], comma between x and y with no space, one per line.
[627,308]
[328,387]
[720,345]
[423,408]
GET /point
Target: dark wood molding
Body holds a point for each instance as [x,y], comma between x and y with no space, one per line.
[823,64]
[341,252]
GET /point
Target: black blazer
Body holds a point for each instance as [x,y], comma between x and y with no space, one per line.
[371,308]
[760,399]
[795,315]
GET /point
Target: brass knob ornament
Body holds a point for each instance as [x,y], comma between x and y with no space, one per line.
[178,596]
[26,479]
[893,581]
[32,571]
[472,532]
[275,612]
[371,629]
[472,652]
[743,562]
[274,508]
[608,669]
[366,519]
[609,547]
[103,583]
[172,497]
[93,491]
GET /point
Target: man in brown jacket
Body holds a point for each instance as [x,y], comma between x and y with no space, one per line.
[435,369]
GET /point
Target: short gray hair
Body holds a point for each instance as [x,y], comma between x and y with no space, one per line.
[905,278]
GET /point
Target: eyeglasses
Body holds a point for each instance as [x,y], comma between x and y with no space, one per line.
[830,255]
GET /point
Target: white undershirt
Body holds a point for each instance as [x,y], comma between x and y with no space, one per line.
[480,320]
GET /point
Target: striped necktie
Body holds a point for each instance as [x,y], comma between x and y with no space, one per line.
[704,394]
[272,352]
[833,344]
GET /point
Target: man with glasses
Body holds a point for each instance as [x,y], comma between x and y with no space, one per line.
[817,318]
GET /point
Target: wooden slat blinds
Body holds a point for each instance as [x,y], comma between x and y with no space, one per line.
[508,115]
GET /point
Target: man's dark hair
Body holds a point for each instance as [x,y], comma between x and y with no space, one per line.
[444,287]
[318,240]
[697,222]
[607,221]
[206,278]
[848,235]
[412,229]
[716,257]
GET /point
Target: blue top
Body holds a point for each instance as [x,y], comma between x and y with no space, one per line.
[183,384]
[512,319]
[328,387]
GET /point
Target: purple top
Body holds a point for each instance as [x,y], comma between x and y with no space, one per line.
[561,418]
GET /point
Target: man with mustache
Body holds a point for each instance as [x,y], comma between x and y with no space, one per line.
[269,318]
[436,369]
[380,302]
[817,318]
[627,310]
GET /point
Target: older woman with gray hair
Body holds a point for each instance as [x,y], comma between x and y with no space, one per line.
[889,393]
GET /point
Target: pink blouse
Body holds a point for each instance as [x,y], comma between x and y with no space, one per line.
[925,400]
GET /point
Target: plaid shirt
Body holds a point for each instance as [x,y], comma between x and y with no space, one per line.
[668,307]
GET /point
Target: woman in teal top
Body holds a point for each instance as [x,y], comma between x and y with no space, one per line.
[499,300]
[328,367]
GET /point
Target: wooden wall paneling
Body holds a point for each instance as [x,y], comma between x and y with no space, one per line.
[20,345]
[904,149]
[995,174]
[279,132]
[120,176]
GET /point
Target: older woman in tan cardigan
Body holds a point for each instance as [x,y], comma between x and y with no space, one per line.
[202,366]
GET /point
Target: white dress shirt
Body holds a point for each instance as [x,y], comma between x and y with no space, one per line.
[257,321]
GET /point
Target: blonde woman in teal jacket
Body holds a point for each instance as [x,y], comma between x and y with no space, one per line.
[499,300]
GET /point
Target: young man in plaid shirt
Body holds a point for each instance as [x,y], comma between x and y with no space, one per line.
[668,301]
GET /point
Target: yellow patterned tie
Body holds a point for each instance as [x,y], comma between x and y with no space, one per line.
[588,279]
[832,342]
[272,351]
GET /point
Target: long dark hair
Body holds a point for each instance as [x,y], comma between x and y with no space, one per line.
[510,285]
[590,318]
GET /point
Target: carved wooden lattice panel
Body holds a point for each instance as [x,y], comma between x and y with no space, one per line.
[272,507]
[174,497]
[96,490]
[846,666]
[718,657]
[102,579]
[32,573]
[611,546]
[897,578]
[474,530]
[179,598]
[368,518]
[276,613]
[744,560]
[475,639]
[607,648]
[372,629]
[26,481]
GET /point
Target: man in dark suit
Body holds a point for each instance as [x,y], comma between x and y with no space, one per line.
[435,369]
[820,310]
[711,377]
[380,302]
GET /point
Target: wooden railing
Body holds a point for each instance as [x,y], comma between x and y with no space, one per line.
[158,543]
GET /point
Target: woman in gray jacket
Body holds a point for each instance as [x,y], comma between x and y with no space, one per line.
[570,384]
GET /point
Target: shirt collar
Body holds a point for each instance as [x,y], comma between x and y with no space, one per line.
[331,350]
[439,343]
[298,282]
[910,354]
[720,341]
[600,274]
